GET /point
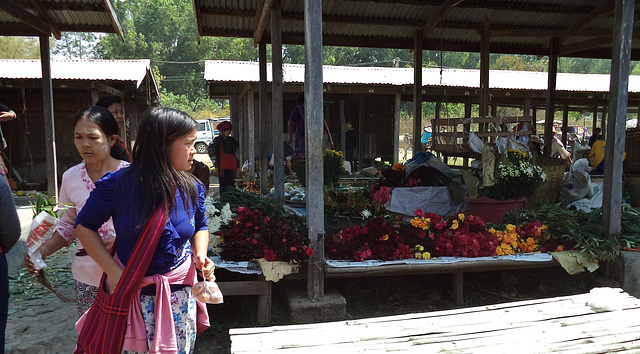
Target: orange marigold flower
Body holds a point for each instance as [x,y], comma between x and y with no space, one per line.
[511,227]
[560,248]
[384,237]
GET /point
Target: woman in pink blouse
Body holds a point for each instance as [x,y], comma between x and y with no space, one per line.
[95,134]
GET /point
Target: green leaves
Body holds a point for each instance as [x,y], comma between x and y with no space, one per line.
[44,204]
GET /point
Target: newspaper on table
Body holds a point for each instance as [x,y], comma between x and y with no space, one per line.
[42,228]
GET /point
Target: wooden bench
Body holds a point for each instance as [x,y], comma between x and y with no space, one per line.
[457,269]
[567,324]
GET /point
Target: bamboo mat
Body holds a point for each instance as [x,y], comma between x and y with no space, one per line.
[602,322]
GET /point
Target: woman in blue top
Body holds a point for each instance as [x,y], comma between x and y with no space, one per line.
[162,155]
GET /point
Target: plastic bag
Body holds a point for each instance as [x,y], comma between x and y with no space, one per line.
[475,143]
[207,292]
[42,227]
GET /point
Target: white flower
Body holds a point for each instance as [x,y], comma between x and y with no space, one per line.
[365,214]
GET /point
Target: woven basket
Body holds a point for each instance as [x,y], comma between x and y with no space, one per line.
[632,148]
[632,182]
[549,191]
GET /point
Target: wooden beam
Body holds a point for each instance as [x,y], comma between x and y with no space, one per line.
[45,16]
[113,16]
[262,14]
[530,32]
[27,17]
[417,92]
[277,101]
[551,95]
[618,101]
[583,45]
[604,9]
[49,119]
[485,42]
[264,120]
[313,139]
[443,12]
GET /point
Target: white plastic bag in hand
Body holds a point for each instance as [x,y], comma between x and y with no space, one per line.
[207,292]
[42,227]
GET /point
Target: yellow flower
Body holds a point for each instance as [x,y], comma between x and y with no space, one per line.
[511,227]
[461,217]
[426,255]
[415,222]
[384,237]
[419,248]
[418,255]
[492,230]
[237,222]
[454,225]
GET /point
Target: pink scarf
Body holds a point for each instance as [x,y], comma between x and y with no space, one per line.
[164,341]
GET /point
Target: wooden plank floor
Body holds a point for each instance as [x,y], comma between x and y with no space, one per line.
[569,324]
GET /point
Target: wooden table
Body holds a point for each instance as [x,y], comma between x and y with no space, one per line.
[568,324]
[457,269]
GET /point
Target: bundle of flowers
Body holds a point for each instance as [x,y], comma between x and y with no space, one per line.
[376,240]
[252,235]
[516,177]
[465,237]
[349,202]
[534,237]
[396,176]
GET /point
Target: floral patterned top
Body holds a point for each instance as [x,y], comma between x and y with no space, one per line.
[74,192]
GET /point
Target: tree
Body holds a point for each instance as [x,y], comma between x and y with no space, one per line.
[74,45]
[19,48]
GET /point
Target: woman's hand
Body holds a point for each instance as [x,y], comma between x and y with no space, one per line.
[206,265]
[114,279]
[29,265]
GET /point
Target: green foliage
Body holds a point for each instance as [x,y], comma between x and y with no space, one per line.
[44,204]
[19,48]
[347,202]
[75,45]
[333,168]
[585,229]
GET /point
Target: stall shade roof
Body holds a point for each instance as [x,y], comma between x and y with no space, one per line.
[118,70]
[239,71]
[34,18]
[585,27]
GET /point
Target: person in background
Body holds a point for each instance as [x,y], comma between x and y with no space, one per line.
[296,125]
[201,172]
[9,235]
[114,105]
[223,148]
[426,137]
[94,135]
[350,143]
[557,148]
[6,114]
[162,236]
[595,137]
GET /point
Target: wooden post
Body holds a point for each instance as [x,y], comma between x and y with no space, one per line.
[313,134]
[396,128]
[603,121]
[618,97]
[360,132]
[551,95]
[49,122]
[417,91]
[276,105]
[265,122]
[485,42]
[565,123]
[595,120]
[251,133]
[343,144]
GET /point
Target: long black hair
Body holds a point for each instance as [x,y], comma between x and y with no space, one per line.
[101,117]
[159,129]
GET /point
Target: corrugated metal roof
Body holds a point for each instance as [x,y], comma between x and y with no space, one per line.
[243,71]
[117,70]
[517,26]
[22,18]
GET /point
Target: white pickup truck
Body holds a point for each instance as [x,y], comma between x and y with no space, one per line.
[205,135]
